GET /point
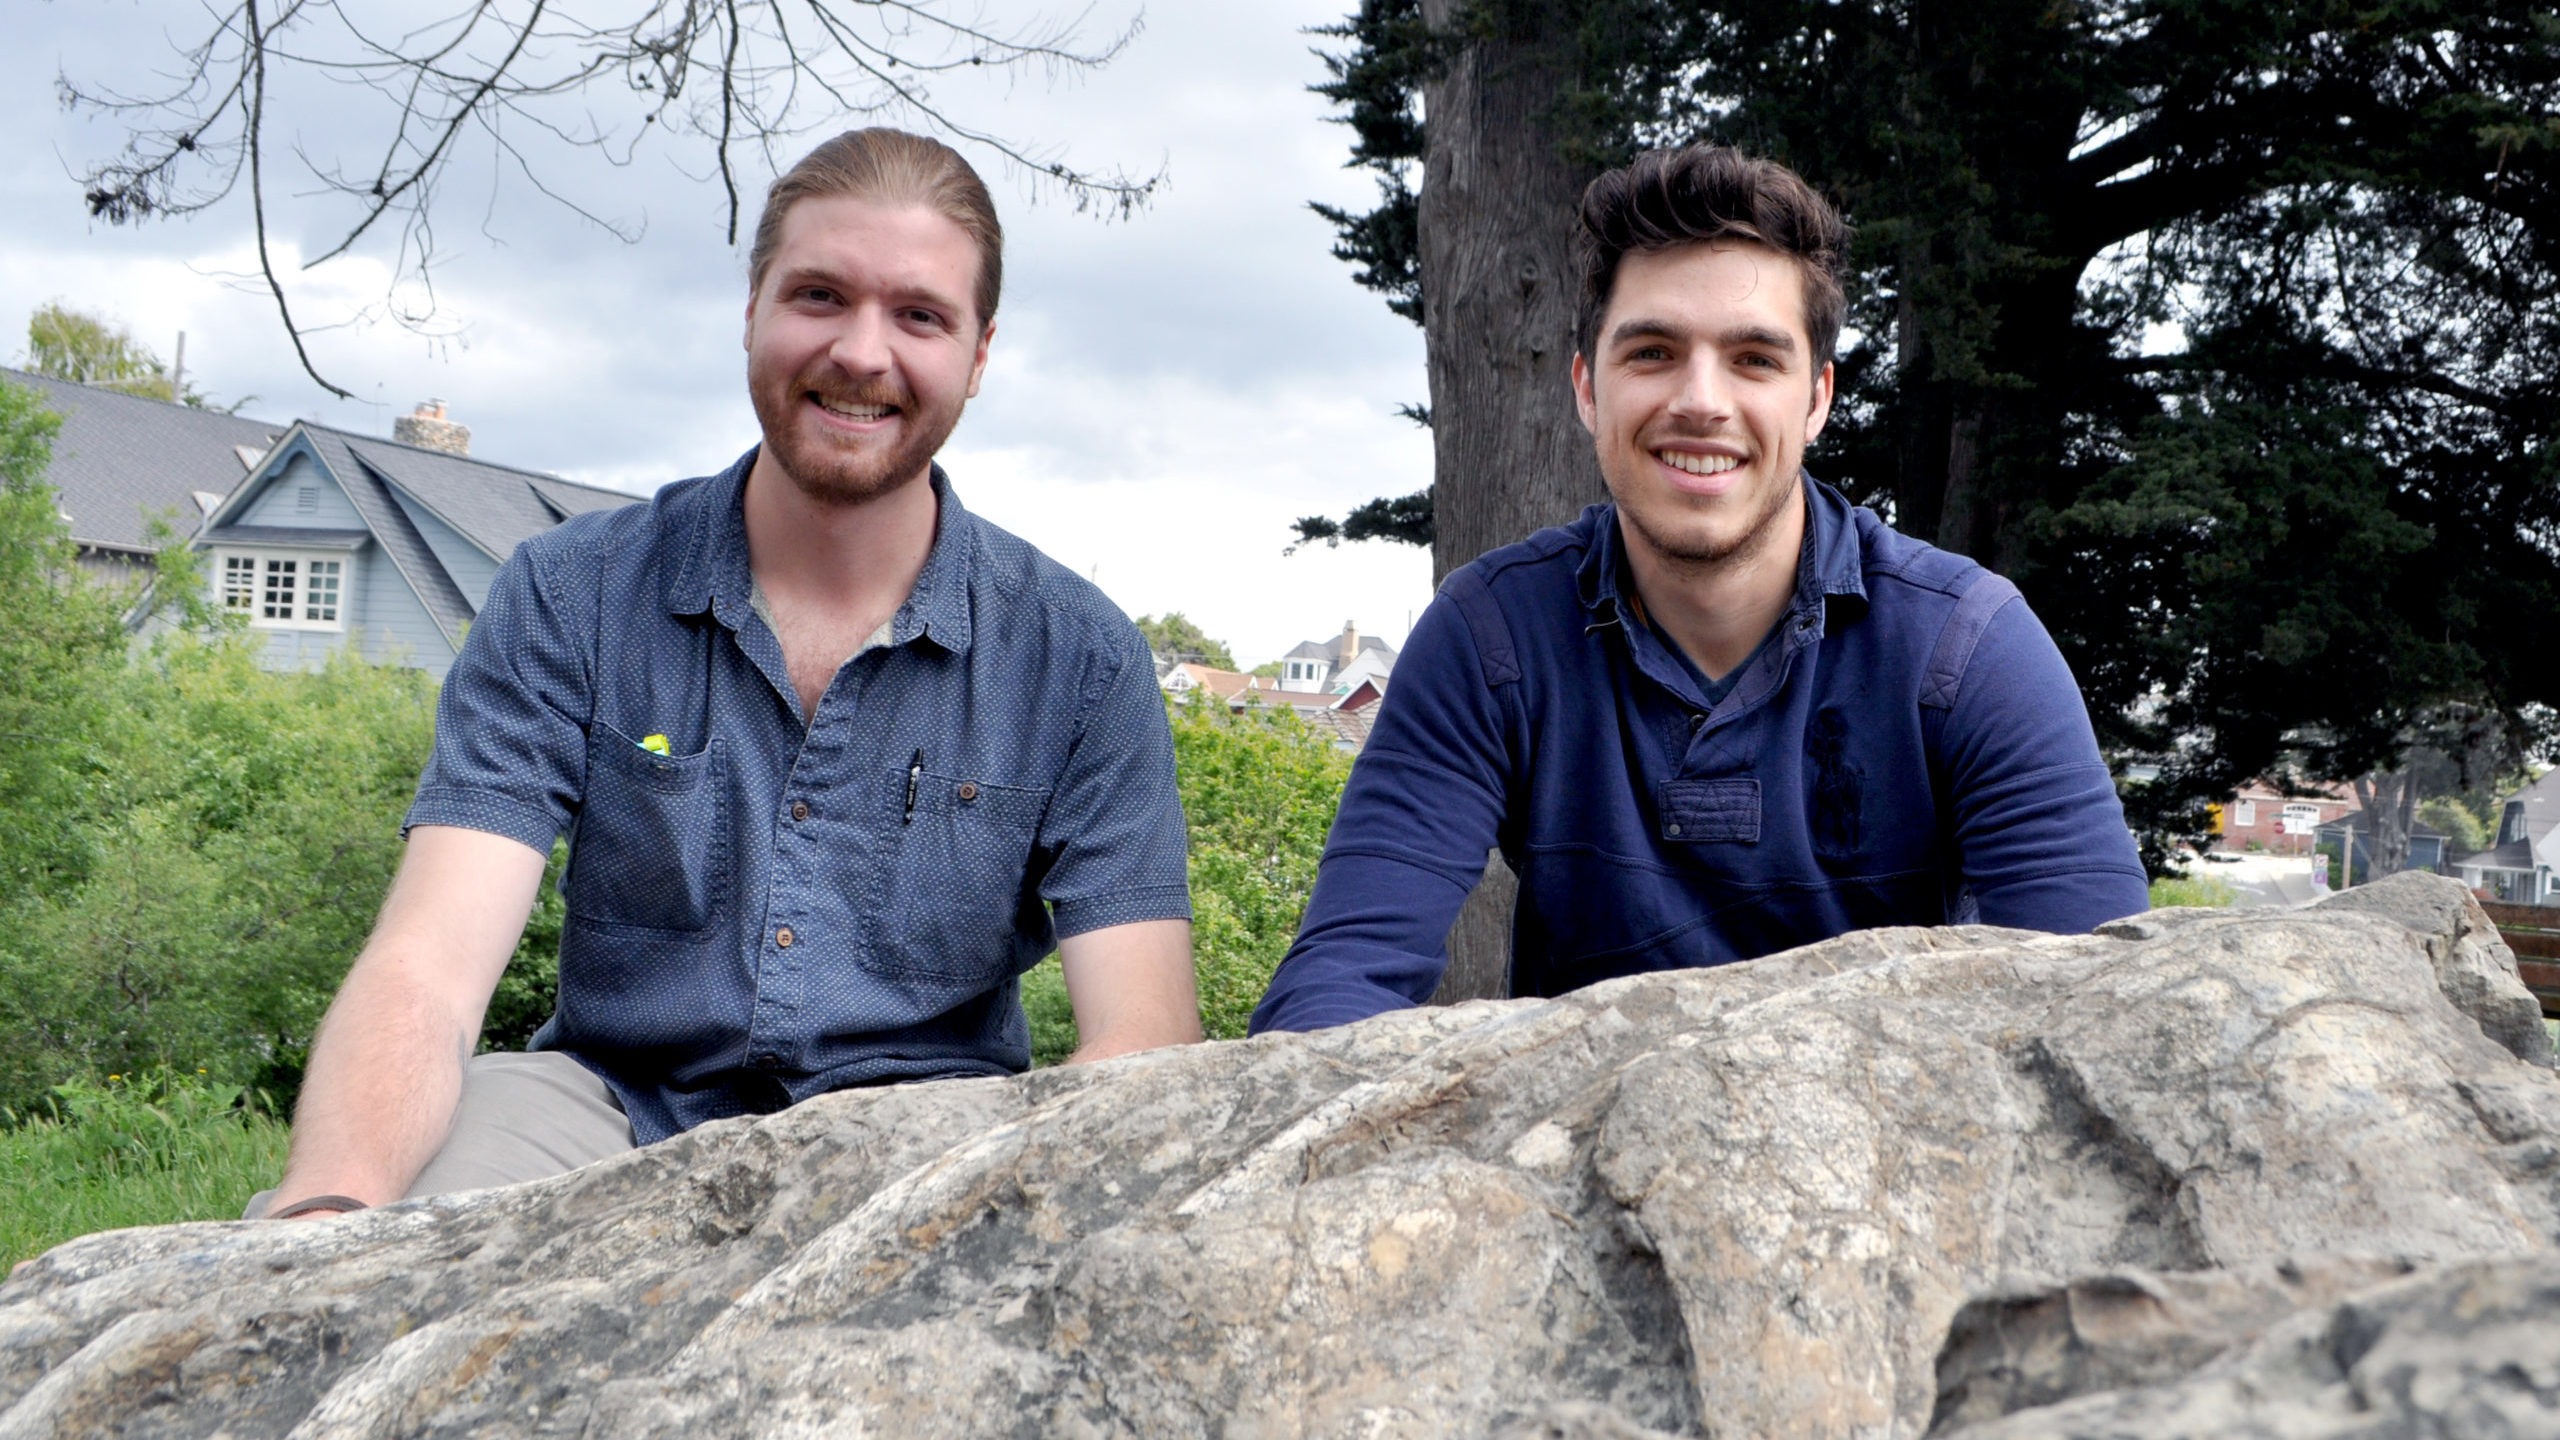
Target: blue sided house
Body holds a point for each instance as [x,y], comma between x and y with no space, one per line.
[335,538]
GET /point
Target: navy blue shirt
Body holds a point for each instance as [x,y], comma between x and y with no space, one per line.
[1907,749]
[770,910]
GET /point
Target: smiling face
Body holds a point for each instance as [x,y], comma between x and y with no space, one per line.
[1700,394]
[863,344]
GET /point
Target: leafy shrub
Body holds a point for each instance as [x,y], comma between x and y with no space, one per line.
[1259,789]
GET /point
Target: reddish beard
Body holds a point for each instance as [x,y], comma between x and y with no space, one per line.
[840,471]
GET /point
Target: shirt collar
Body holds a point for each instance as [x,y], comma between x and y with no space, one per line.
[1830,568]
[710,570]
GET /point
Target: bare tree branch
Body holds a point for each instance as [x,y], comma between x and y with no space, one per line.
[423,97]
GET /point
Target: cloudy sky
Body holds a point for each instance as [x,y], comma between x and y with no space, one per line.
[1166,392]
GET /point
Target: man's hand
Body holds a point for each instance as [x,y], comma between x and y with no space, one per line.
[386,1067]
[1132,988]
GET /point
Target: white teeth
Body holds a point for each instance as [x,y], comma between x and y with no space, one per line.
[1696,464]
[854,412]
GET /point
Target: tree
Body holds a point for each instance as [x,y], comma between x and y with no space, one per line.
[2230,331]
[367,123]
[86,349]
[56,629]
[1175,639]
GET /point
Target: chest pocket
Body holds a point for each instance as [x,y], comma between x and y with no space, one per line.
[652,844]
[960,898]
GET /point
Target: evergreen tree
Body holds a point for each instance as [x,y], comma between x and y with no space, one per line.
[2230,330]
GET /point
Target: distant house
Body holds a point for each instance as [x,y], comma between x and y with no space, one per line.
[121,460]
[2351,835]
[1344,719]
[1337,666]
[335,535]
[2262,817]
[2522,864]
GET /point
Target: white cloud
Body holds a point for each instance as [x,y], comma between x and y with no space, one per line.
[1166,393]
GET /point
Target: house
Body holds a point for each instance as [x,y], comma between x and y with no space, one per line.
[1337,666]
[2262,817]
[1343,719]
[2351,835]
[1185,677]
[334,536]
[2522,864]
[122,460]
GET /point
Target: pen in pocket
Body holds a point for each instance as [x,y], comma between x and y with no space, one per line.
[915,778]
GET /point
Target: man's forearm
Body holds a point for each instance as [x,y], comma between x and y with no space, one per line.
[379,1095]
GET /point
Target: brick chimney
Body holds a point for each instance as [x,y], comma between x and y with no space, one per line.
[429,430]
[1350,643]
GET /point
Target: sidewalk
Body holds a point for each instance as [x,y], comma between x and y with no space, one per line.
[2263,879]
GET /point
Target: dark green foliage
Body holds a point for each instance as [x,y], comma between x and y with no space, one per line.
[1174,638]
[529,987]
[2229,329]
[1406,519]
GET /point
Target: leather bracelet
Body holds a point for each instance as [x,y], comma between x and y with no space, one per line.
[336,1204]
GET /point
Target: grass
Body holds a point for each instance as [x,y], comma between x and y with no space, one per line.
[138,1150]
[2202,890]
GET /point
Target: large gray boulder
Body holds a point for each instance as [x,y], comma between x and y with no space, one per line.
[1962,1180]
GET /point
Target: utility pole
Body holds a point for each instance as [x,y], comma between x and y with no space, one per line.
[178,372]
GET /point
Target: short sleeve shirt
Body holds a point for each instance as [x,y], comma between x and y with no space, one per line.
[762,909]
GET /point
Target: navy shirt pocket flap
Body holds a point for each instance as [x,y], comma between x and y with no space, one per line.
[1696,811]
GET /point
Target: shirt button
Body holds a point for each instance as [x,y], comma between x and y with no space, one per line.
[1673,827]
[1697,722]
[783,937]
[968,789]
[799,809]
[768,1062]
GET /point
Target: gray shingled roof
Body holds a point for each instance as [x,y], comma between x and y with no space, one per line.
[120,457]
[495,507]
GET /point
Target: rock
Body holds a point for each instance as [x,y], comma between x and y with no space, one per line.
[2458,1351]
[2474,967]
[1757,1200]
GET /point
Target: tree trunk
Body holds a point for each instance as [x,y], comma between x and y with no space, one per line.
[2390,803]
[1509,452]
[1498,288]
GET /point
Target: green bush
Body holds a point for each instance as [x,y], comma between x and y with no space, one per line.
[143,1149]
[1259,788]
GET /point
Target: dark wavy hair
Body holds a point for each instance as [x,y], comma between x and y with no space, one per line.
[1710,194]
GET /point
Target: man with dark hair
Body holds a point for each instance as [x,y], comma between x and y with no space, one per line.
[1728,713]
[838,760]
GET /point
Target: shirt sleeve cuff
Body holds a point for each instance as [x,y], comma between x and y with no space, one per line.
[1121,907]
[487,810]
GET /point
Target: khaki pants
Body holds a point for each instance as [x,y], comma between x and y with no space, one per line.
[523,1116]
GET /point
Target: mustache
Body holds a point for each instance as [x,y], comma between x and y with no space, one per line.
[876,392]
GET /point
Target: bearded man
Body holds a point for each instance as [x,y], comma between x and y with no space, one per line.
[838,761]
[1729,713]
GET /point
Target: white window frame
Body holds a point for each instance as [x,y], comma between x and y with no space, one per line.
[228,561]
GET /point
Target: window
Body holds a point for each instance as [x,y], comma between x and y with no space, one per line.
[239,583]
[275,591]
[2244,813]
[320,591]
[276,600]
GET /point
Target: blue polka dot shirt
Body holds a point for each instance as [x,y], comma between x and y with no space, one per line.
[761,910]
